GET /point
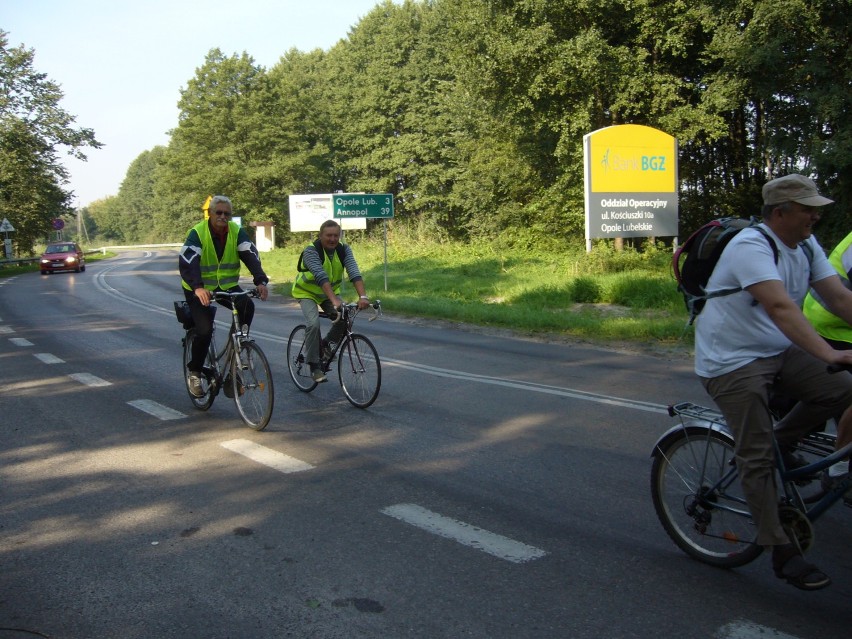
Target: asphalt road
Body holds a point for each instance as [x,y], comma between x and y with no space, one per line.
[498,487]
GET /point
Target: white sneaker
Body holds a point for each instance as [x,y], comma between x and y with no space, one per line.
[194,381]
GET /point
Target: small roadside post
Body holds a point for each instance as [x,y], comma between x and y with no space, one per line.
[7,228]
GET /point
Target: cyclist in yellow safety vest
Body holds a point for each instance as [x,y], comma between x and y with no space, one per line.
[833,329]
[321,266]
[210,261]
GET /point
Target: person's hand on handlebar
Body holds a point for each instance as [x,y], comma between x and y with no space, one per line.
[842,360]
[262,292]
[203,296]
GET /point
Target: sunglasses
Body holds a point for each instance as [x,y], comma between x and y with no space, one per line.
[225,213]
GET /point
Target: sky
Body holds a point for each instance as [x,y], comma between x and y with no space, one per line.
[121,64]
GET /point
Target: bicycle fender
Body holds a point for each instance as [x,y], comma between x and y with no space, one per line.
[696,427]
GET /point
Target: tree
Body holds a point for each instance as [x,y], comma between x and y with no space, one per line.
[137,199]
[33,128]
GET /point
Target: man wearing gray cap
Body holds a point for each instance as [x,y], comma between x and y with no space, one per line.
[749,339]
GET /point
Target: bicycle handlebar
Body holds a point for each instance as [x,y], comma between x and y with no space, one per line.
[252,292]
[353,306]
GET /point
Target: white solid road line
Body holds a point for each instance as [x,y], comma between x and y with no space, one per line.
[463,533]
[157,410]
[266,456]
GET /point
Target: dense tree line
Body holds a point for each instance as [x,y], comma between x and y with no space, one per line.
[472,113]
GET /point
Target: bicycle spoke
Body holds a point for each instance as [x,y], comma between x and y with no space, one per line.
[699,501]
[207,377]
[252,386]
[297,364]
[359,370]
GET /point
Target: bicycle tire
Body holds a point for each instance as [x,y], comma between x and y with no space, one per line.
[297,364]
[206,400]
[359,370]
[251,379]
[693,516]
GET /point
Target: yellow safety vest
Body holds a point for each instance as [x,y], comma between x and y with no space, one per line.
[824,321]
[305,286]
[223,275]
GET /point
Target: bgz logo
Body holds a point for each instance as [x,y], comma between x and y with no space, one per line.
[654,163]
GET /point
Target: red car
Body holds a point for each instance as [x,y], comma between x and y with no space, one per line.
[62,256]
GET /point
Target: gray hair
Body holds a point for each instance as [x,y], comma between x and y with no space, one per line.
[220,198]
[768,208]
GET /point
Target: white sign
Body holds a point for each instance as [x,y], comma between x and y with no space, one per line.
[309,211]
[6,227]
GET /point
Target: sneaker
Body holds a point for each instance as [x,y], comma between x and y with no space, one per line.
[318,375]
[194,382]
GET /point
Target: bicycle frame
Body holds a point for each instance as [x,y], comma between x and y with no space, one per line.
[817,443]
[223,360]
[240,368]
[358,364]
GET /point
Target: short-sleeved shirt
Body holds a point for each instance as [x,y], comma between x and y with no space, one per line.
[734,330]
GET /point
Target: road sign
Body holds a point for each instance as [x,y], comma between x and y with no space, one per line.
[376,205]
[58,224]
[6,227]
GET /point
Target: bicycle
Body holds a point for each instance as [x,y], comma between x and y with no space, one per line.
[240,368]
[698,498]
[358,367]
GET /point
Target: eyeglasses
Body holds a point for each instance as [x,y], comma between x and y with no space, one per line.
[225,213]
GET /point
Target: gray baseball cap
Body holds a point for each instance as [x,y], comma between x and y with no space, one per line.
[793,188]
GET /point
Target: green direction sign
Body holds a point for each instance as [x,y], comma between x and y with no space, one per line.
[363,205]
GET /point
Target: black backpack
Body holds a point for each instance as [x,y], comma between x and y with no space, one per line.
[693,262]
[340,249]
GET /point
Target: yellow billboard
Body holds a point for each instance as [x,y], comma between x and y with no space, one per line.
[631,182]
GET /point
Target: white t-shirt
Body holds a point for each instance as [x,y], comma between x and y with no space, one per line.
[734,330]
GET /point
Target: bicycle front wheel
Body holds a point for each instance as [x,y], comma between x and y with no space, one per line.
[698,499]
[207,376]
[359,370]
[254,394]
[297,363]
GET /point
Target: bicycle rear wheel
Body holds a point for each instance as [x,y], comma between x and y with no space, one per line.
[207,375]
[359,370]
[254,393]
[297,363]
[698,499]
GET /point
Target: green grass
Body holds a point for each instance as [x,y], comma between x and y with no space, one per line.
[600,297]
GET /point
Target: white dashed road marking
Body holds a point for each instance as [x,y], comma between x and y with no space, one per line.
[6,329]
[747,630]
[47,358]
[463,533]
[157,410]
[89,380]
[20,341]
[266,456]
